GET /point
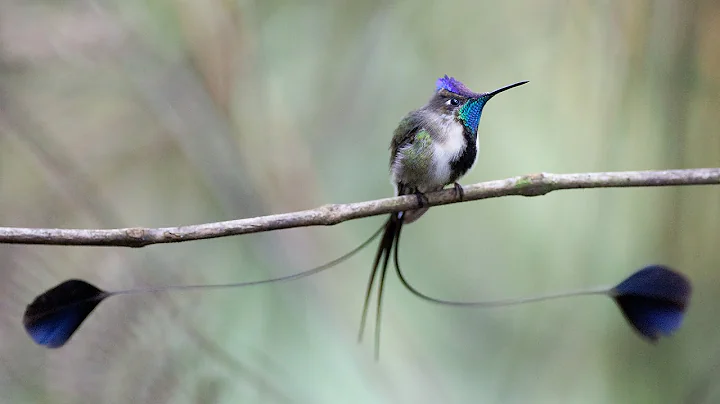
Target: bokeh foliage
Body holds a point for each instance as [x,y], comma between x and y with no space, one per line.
[125,112]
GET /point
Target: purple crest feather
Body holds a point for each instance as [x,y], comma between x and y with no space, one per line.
[454,86]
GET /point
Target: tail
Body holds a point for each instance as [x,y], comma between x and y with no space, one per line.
[392,231]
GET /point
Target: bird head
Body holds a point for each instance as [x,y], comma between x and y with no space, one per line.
[453,98]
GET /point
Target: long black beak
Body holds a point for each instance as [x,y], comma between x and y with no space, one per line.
[501,89]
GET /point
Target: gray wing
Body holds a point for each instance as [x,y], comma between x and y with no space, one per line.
[405,133]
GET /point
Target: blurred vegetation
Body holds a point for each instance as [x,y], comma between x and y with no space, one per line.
[157,113]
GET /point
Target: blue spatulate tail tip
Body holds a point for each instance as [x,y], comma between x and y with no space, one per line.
[654,300]
[54,316]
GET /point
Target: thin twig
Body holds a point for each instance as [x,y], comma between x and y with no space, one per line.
[328,215]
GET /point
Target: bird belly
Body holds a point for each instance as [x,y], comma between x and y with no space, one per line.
[414,168]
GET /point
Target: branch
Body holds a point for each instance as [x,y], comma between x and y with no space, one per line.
[328,215]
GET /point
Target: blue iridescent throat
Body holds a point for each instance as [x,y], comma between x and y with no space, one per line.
[470,113]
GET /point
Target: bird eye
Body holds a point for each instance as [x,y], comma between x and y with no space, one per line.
[453,101]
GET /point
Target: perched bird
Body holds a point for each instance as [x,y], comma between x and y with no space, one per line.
[437,144]
[432,147]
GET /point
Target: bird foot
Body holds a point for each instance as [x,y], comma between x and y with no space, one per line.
[459,192]
[422,199]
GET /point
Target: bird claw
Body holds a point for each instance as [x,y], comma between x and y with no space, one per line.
[421,199]
[459,191]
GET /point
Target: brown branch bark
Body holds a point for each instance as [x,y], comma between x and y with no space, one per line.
[328,215]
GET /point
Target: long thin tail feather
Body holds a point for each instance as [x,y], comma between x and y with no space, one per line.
[392,225]
[54,316]
[381,289]
[600,290]
[653,300]
[382,247]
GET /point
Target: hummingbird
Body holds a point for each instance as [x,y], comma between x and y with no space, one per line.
[432,147]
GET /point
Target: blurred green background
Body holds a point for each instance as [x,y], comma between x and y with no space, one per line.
[158,113]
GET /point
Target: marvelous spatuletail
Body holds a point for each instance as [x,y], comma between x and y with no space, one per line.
[432,147]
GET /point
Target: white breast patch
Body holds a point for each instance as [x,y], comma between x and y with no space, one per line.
[446,148]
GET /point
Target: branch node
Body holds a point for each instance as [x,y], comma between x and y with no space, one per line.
[329,214]
[535,184]
[137,233]
[137,237]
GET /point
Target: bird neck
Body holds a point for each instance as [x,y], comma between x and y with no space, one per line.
[469,115]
